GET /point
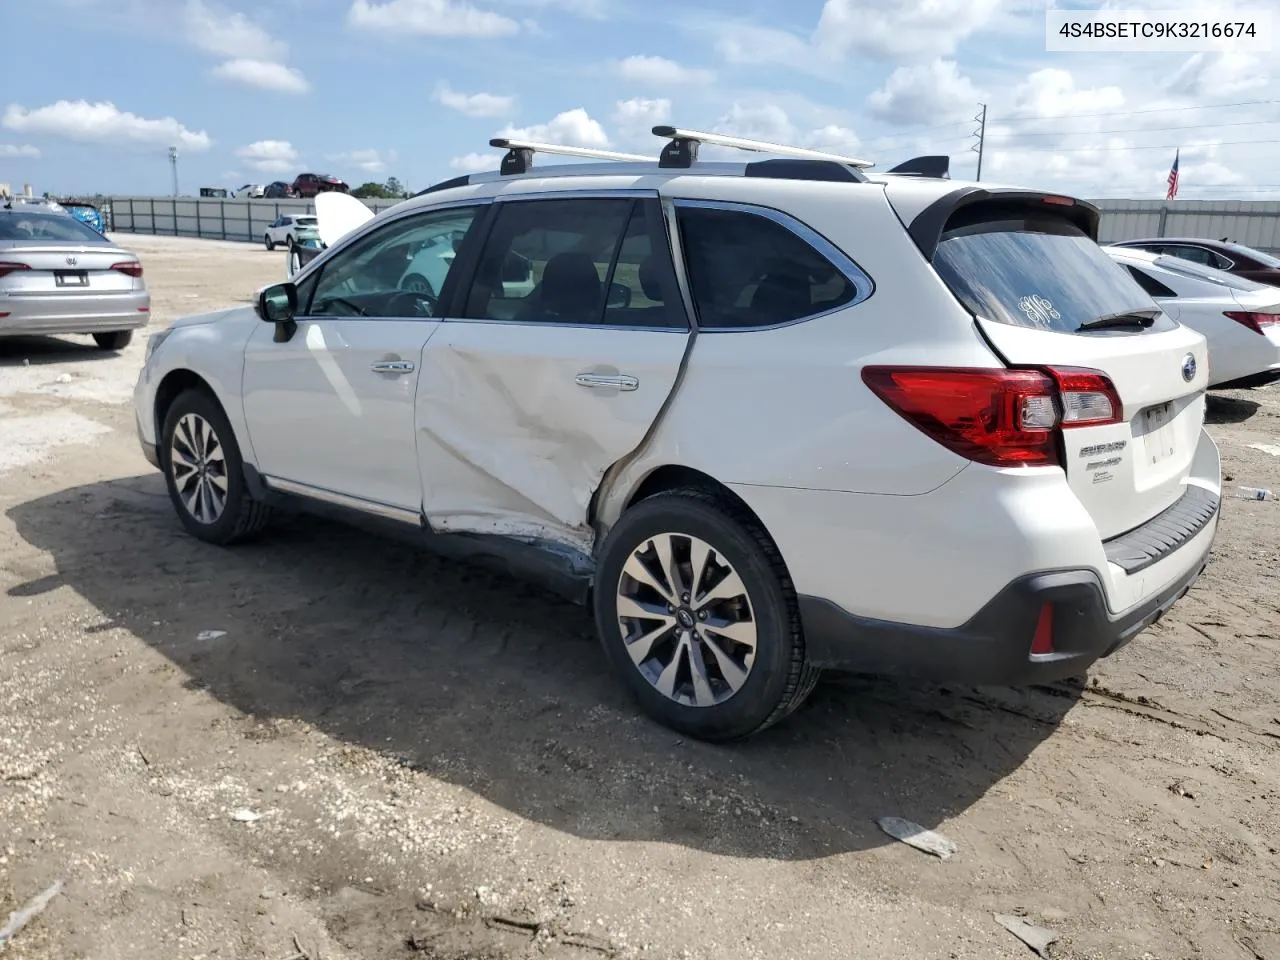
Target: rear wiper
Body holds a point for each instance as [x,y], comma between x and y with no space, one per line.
[1128,318]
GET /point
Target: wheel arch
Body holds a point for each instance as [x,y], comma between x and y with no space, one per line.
[174,384]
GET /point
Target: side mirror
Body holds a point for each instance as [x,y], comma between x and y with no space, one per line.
[619,296]
[278,303]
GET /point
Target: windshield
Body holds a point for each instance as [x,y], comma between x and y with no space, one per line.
[1263,258]
[1198,271]
[1039,272]
[33,226]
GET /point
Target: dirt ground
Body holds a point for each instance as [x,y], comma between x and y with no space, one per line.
[441,766]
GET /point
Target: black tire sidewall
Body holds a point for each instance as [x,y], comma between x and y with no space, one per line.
[114,339]
[767,685]
[270,244]
[204,406]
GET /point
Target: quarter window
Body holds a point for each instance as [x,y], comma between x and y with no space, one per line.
[747,270]
[1150,284]
[398,270]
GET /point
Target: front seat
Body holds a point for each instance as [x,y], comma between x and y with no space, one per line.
[571,289]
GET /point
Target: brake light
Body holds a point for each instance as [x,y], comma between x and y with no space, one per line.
[1000,417]
[1059,201]
[8,268]
[1254,321]
[130,268]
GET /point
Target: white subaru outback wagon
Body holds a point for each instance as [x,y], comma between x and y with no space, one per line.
[767,418]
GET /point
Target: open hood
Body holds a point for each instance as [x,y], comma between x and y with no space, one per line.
[338,214]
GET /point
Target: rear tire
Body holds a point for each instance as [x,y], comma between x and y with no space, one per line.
[721,656]
[204,472]
[115,340]
[266,238]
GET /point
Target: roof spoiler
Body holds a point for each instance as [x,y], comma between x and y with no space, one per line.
[936,167]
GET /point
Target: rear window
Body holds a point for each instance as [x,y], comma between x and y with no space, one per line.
[307,221]
[57,227]
[1263,258]
[1036,271]
[1208,274]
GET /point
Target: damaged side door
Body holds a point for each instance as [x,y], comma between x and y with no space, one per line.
[570,338]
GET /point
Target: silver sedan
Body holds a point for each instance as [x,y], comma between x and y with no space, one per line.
[59,276]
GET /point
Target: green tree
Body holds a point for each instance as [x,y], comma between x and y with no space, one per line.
[371,191]
[395,188]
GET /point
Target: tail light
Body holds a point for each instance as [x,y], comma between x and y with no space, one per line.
[999,417]
[1254,321]
[130,268]
[8,268]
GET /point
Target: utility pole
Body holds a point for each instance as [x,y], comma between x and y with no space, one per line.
[173,162]
[981,135]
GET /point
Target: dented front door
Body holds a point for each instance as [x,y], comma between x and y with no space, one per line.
[527,399]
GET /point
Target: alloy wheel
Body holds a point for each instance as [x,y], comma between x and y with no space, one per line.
[686,620]
[198,466]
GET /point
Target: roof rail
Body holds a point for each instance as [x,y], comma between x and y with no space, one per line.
[682,151]
[520,153]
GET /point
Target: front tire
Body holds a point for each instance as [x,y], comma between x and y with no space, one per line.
[114,340]
[271,244]
[697,614]
[204,472]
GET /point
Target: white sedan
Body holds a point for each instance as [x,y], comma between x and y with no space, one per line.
[1239,318]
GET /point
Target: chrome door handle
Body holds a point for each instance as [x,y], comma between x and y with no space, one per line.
[393,366]
[622,382]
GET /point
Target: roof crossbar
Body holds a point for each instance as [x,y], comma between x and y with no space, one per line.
[520,153]
[682,151]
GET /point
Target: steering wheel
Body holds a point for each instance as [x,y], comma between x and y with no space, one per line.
[420,303]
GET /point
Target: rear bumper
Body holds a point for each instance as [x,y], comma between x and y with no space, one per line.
[995,646]
[76,314]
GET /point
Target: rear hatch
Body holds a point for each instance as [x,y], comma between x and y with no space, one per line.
[1044,294]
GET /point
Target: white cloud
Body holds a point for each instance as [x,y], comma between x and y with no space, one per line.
[588,9]
[574,127]
[102,123]
[437,18]
[763,120]
[641,112]
[749,44]
[228,33]
[263,74]
[18,151]
[926,28]
[476,162]
[367,161]
[659,71]
[924,93]
[1053,93]
[1219,75]
[474,104]
[269,156]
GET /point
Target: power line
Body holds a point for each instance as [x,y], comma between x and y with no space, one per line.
[1150,146]
[1130,130]
[1131,113]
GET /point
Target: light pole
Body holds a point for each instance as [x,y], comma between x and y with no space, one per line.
[173,162]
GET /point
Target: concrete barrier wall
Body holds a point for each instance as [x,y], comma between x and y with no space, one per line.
[1255,223]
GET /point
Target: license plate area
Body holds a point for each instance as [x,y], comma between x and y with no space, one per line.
[70,278]
[1158,432]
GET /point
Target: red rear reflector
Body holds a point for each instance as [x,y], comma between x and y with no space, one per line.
[1001,417]
[4,313]
[144,309]
[1042,642]
[130,268]
[1060,201]
[1254,321]
[8,268]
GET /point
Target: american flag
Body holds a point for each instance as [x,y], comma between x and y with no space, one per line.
[1173,178]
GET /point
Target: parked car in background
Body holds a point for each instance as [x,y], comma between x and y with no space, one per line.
[291,228]
[59,276]
[929,428]
[1220,254]
[86,213]
[250,191]
[45,202]
[309,184]
[278,190]
[1240,318]
[214,193]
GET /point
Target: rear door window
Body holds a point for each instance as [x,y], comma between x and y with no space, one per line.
[1039,272]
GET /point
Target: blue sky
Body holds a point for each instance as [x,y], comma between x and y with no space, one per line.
[366,89]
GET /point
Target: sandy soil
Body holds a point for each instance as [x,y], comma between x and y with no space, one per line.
[443,768]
